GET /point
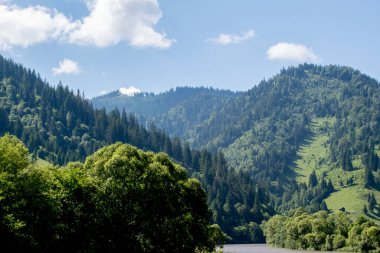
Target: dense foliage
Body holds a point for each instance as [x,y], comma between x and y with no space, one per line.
[60,126]
[322,231]
[120,200]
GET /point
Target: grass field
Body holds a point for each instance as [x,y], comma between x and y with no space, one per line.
[351,198]
[314,153]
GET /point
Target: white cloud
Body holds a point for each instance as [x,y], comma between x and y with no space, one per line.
[27,26]
[103,92]
[130,91]
[226,39]
[292,52]
[114,21]
[109,22]
[66,66]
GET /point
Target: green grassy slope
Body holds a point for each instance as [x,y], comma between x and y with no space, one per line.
[314,155]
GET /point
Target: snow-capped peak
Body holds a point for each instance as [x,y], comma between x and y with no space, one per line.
[130,91]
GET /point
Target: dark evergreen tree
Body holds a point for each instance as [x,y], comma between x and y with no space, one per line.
[365,210]
[324,206]
[371,202]
[313,180]
[369,180]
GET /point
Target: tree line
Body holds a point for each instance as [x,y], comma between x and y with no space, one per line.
[322,231]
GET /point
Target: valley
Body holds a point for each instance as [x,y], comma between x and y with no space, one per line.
[305,140]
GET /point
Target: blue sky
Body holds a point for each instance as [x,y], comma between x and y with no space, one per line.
[102,45]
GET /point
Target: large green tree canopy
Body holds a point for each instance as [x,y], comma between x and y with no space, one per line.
[146,202]
[120,199]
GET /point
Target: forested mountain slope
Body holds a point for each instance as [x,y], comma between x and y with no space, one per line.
[60,126]
[307,118]
[327,117]
[178,111]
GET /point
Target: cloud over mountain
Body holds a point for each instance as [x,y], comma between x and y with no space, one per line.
[292,52]
[114,21]
[23,27]
[226,39]
[66,66]
[109,22]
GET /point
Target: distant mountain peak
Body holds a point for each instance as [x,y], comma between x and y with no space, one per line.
[130,91]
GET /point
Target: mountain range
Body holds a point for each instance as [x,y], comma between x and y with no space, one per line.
[306,119]
[307,137]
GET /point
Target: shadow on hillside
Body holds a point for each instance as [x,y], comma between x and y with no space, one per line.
[307,140]
[374,187]
[373,215]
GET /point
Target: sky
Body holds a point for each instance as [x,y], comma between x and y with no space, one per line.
[98,46]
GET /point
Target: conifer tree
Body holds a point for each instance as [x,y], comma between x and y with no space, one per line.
[313,180]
